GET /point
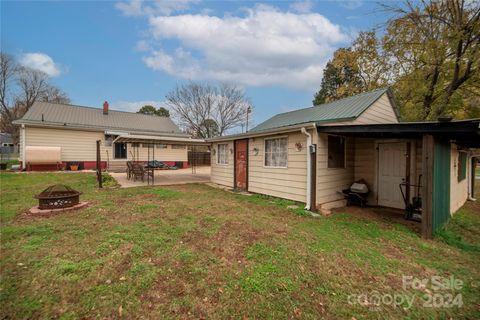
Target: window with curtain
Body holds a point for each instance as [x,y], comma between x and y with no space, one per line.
[108,140]
[336,152]
[276,152]
[222,157]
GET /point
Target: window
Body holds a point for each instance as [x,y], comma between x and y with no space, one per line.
[336,152]
[276,151]
[108,140]
[120,151]
[222,157]
[462,166]
[161,146]
[135,144]
[147,145]
[178,146]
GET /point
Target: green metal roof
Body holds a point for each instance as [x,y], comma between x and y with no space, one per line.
[341,110]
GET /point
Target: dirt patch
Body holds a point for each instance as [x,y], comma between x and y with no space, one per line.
[393,253]
[385,216]
[228,244]
[187,188]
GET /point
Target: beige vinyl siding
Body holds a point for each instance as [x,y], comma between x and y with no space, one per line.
[331,182]
[290,182]
[78,145]
[222,173]
[458,189]
[381,111]
[365,165]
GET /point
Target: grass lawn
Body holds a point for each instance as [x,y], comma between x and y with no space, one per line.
[193,251]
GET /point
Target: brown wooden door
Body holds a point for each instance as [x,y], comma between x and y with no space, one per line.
[241,158]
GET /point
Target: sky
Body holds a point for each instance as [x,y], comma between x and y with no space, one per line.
[134,52]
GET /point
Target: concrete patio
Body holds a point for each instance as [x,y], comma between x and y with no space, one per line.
[166,177]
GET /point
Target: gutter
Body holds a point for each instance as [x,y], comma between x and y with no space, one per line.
[308,203]
[267,132]
[56,125]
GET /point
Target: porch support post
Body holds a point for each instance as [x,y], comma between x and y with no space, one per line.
[428,148]
[24,164]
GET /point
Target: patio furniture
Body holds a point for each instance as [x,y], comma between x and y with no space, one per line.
[129,169]
[159,165]
[139,172]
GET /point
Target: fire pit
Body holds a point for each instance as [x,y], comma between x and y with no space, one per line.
[57,197]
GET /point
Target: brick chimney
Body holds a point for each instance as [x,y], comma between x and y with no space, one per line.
[105,107]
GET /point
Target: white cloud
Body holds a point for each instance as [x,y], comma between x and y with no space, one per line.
[137,8]
[301,6]
[134,106]
[142,46]
[264,47]
[350,4]
[42,62]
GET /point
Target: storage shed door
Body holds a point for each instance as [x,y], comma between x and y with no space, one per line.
[241,158]
[392,166]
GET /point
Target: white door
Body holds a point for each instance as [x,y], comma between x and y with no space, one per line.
[392,168]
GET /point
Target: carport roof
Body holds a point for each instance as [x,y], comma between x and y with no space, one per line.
[132,138]
[463,132]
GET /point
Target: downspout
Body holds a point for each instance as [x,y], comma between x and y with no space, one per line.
[24,165]
[308,204]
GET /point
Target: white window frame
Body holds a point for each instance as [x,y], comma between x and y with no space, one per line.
[344,152]
[265,152]
[226,154]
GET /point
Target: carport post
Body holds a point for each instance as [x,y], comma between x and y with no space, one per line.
[99,165]
[428,148]
[153,169]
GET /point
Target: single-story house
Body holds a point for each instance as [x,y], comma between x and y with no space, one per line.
[310,155]
[53,135]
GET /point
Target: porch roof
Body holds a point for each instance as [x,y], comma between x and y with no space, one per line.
[464,132]
[131,138]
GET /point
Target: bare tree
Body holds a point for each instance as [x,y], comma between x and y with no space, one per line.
[7,75]
[20,87]
[55,95]
[207,111]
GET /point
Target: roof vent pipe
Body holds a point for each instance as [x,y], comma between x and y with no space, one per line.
[105,107]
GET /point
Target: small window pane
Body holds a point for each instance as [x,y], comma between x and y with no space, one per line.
[108,140]
[336,152]
[178,146]
[222,154]
[161,146]
[276,152]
